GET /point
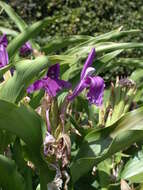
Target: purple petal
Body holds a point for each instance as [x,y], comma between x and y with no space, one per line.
[52,86]
[51,83]
[80,87]
[88,63]
[96,90]
[54,71]
[36,86]
[3,40]
[3,56]
[89,71]
[25,49]
[49,138]
[63,84]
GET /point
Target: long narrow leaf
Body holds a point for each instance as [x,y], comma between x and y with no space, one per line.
[26,70]
[60,42]
[14,16]
[103,38]
[8,31]
[102,48]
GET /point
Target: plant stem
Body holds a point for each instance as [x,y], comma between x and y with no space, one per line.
[43,180]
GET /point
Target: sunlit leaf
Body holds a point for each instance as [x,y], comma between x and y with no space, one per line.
[13,90]
[101,144]
[133,170]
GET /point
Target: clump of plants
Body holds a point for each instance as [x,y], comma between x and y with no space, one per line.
[62,124]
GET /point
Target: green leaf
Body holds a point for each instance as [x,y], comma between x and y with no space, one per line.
[102,62]
[8,31]
[18,156]
[104,172]
[63,59]
[35,100]
[71,72]
[102,38]
[26,124]
[10,178]
[14,89]
[115,34]
[14,16]
[57,43]
[138,63]
[133,170]
[101,144]
[38,187]
[4,69]
[137,76]
[5,139]
[23,122]
[102,47]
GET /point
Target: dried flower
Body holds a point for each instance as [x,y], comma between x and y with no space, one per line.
[49,140]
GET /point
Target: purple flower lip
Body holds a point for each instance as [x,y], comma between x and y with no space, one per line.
[3,52]
[94,84]
[51,83]
[26,49]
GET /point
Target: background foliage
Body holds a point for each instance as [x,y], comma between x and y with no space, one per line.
[85,17]
[82,16]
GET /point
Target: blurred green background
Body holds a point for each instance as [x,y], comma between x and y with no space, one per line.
[83,16]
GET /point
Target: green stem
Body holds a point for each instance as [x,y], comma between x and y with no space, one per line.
[28,179]
[43,180]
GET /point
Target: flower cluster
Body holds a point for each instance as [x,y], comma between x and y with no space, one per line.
[52,84]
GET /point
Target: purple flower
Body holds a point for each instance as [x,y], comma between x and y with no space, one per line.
[51,83]
[3,51]
[26,49]
[94,84]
